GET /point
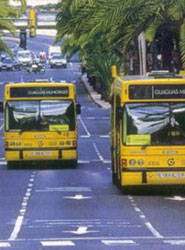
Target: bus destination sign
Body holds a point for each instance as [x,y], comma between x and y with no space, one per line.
[164,91]
[32,92]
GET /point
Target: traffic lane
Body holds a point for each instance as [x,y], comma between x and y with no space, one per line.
[70,74]
[165,211]
[102,148]
[86,152]
[13,186]
[91,244]
[67,203]
[40,43]
[94,149]
[97,125]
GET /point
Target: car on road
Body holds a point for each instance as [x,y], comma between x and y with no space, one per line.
[24,56]
[16,49]
[10,64]
[53,50]
[58,61]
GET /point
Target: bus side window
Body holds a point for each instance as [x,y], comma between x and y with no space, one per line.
[1,107]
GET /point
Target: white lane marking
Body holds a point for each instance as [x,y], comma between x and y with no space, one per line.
[104,136]
[84,136]
[176,198]
[65,189]
[85,128]
[81,230]
[17,228]
[142,216]
[98,152]
[78,197]
[97,118]
[22,211]
[5,244]
[92,108]
[57,243]
[118,242]
[175,242]
[2,127]
[153,230]
[83,162]
[3,163]
[107,161]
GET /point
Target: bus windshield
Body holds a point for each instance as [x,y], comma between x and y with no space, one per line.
[43,115]
[154,124]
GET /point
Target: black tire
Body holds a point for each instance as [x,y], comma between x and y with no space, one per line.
[114,179]
[73,163]
[10,165]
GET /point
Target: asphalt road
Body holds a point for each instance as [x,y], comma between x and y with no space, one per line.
[79,208]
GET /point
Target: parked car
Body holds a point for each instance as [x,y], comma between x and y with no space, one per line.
[10,64]
[58,61]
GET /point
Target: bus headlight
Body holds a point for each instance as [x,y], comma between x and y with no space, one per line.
[141,162]
[132,162]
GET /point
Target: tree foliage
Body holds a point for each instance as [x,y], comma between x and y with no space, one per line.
[105,27]
[7,11]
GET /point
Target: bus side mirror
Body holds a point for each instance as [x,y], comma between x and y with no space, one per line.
[1,107]
[78,108]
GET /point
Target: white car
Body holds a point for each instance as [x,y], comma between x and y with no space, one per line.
[24,56]
[58,61]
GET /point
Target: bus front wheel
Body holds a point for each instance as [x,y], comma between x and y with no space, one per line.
[73,163]
[10,164]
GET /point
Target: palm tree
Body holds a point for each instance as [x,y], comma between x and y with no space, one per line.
[7,11]
[116,25]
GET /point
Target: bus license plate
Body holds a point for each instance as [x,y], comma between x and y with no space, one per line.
[40,153]
[171,175]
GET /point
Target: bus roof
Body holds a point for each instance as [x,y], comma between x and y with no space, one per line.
[161,74]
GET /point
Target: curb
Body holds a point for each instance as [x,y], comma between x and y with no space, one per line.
[95,97]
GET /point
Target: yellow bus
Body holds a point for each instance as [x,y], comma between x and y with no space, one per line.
[40,122]
[148,130]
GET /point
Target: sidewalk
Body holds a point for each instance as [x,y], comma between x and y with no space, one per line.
[96,98]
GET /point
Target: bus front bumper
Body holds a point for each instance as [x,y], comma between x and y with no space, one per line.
[167,176]
[38,154]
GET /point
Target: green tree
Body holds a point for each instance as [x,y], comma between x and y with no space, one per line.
[7,11]
[116,24]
